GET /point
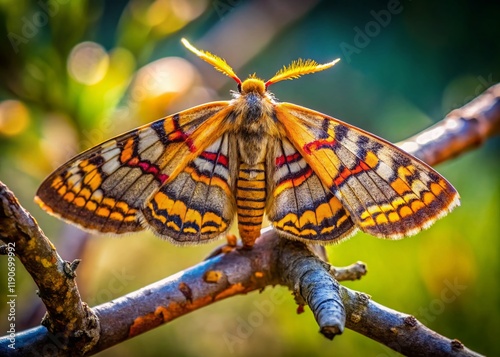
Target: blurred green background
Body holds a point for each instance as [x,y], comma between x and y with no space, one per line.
[74,73]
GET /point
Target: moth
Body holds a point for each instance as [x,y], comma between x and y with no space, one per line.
[188,175]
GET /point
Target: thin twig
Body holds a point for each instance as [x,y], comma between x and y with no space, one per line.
[352,272]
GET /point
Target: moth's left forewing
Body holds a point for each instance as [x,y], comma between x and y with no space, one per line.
[387,192]
[105,188]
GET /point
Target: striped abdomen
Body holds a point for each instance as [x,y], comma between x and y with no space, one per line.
[251,201]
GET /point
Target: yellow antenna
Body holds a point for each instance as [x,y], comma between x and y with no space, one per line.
[218,63]
[299,68]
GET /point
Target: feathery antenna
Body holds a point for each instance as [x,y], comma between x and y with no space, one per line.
[299,68]
[218,63]
[294,70]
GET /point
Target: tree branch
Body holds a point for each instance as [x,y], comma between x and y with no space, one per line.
[67,316]
[299,269]
[272,260]
[463,129]
[74,328]
[401,332]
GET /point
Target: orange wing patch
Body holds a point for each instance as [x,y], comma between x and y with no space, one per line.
[75,194]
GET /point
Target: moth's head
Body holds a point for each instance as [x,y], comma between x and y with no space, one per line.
[252,84]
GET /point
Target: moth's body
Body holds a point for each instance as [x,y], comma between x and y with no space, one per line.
[253,120]
[255,129]
[186,176]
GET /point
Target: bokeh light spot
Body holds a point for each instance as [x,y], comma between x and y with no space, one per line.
[159,84]
[59,139]
[166,75]
[157,12]
[88,63]
[14,117]
[188,10]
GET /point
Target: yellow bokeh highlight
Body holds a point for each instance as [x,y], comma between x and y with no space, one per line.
[88,63]
[14,117]
[167,16]
[159,83]
[58,141]
[188,10]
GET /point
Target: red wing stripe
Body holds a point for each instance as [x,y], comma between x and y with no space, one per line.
[319,144]
[217,158]
[346,173]
[282,160]
[148,168]
[179,135]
